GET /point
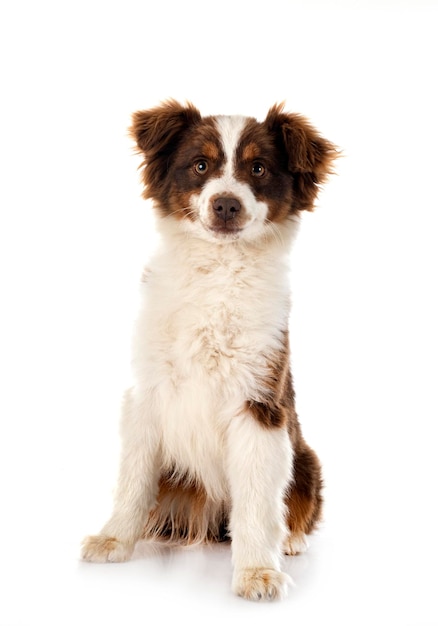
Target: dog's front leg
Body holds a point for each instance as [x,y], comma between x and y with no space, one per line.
[136,489]
[259,467]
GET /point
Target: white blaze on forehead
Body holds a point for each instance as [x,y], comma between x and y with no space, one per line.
[230,129]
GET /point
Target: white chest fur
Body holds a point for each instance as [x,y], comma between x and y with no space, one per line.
[211,315]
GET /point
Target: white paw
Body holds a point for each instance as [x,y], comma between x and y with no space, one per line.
[103,549]
[295,544]
[260,583]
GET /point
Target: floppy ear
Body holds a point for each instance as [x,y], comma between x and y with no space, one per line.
[309,156]
[156,133]
[155,128]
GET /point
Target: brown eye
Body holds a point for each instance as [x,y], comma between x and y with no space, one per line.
[200,167]
[258,170]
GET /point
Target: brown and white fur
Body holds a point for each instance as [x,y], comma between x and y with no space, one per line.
[211,444]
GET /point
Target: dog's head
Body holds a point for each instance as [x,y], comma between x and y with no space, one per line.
[230,177]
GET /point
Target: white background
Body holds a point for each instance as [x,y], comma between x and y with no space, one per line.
[74,233]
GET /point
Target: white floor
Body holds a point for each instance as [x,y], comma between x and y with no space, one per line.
[73,234]
[356,572]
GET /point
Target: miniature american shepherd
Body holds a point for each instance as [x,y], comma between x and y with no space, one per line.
[212,447]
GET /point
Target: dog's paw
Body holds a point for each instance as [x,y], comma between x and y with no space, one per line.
[295,544]
[103,549]
[261,584]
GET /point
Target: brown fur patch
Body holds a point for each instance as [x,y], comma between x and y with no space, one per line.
[266,414]
[310,157]
[277,405]
[184,514]
[211,151]
[276,186]
[304,499]
[178,206]
[157,133]
[250,152]
[173,191]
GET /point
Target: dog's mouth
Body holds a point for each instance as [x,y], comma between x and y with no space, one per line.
[225,230]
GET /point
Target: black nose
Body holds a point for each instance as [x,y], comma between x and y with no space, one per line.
[226,208]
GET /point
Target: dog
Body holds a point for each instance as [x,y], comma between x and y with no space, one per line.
[212,448]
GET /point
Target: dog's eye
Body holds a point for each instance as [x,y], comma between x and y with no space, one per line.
[258,170]
[200,167]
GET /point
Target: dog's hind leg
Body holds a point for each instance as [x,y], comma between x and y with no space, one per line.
[137,486]
[303,499]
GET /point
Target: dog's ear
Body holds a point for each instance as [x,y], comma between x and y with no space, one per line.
[156,133]
[309,156]
[155,129]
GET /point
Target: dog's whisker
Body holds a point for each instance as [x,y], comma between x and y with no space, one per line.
[184,210]
[276,232]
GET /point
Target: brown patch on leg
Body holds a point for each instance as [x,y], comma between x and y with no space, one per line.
[303,498]
[277,409]
[268,415]
[276,406]
[184,514]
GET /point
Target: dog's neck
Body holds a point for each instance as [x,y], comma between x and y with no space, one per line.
[185,247]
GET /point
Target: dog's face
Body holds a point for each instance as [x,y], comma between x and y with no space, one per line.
[229,177]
